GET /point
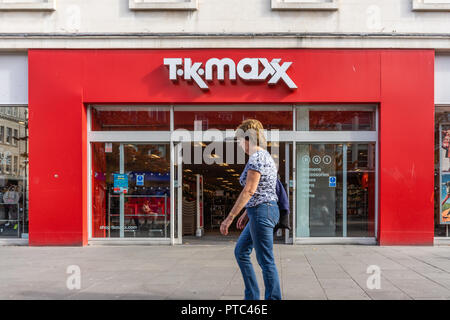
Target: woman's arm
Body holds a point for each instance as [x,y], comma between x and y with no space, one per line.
[250,187]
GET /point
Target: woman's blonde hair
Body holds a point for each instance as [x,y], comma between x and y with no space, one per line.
[252,130]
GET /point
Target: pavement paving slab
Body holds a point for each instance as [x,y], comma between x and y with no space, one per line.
[209,271]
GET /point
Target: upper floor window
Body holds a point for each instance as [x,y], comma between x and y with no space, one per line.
[16,165]
[304,5]
[8,163]
[27,5]
[8,135]
[2,134]
[15,137]
[431,5]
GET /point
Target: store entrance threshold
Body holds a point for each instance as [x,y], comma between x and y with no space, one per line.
[212,239]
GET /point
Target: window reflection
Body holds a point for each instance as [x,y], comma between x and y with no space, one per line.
[13,172]
[442,172]
[336,118]
[360,190]
[230,118]
[143,209]
[115,118]
[336,197]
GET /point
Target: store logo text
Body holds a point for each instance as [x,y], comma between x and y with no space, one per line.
[249,69]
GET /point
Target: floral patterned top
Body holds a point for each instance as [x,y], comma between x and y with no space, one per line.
[262,162]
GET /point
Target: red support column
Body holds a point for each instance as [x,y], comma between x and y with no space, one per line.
[406,148]
[57,149]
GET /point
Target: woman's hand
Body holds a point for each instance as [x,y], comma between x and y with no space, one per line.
[242,221]
[225,225]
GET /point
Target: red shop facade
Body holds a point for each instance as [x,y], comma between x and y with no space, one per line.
[363,119]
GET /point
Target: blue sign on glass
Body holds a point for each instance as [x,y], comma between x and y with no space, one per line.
[120,183]
[139,179]
[332,182]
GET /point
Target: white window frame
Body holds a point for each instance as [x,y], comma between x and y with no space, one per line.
[132,137]
[442,240]
[335,137]
[420,5]
[44,5]
[283,136]
[305,5]
[168,5]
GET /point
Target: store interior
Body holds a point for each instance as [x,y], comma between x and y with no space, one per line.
[221,188]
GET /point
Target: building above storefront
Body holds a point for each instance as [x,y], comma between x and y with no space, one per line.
[215,23]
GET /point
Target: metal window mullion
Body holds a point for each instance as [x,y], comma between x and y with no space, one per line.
[180,193]
[89,175]
[129,136]
[376,173]
[286,181]
[294,191]
[344,190]
[122,196]
[172,192]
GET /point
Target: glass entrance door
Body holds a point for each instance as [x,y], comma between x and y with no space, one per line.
[130,190]
[335,190]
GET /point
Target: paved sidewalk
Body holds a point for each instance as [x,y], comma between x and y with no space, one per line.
[210,272]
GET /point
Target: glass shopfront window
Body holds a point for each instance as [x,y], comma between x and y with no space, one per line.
[230,117]
[335,190]
[127,118]
[130,190]
[442,172]
[336,180]
[14,172]
[336,118]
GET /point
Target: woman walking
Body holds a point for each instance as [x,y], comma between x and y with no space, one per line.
[258,196]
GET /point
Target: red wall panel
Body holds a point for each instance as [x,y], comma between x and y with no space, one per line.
[321,75]
[62,81]
[406,147]
[56,201]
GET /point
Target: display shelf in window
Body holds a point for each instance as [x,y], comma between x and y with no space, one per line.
[218,212]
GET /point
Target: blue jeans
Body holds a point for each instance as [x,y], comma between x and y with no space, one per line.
[258,233]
